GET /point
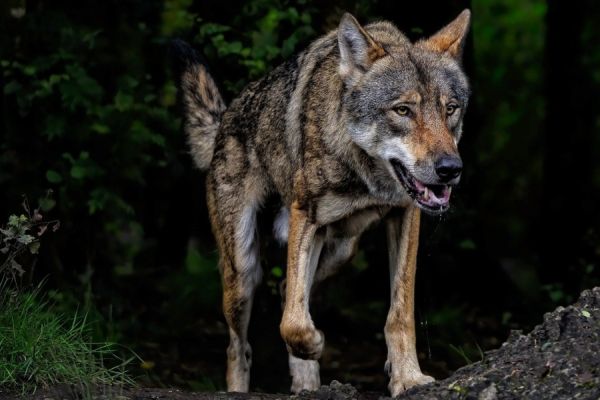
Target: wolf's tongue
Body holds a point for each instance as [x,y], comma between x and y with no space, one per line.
[430,197]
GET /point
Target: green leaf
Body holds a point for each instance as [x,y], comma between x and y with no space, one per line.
[77,172]
[123,102]
[12,87]
[46,204]
[8,234]
[100,128]
[54,79]
[25,239]
[586,313]
[277,272]
[101,197]
[197,264]
[210,29]
[34,247]
[467,244]
[17,221]
[53,177]
[55,126]
[125,269]
[29,70]
[69,157]
[79,89]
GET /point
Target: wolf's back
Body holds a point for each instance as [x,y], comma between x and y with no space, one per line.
[202,102]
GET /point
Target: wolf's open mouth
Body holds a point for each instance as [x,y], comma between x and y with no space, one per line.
[431,198]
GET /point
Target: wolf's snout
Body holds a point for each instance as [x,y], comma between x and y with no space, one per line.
[448,168]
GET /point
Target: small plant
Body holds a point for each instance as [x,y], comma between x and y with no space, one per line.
[38,347]
[22,235]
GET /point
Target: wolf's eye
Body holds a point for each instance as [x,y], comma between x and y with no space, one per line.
[450,109]
[402,110]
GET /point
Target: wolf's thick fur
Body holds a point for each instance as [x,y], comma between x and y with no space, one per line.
[361,126]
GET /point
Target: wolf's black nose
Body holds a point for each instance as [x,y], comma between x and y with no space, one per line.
[448,167]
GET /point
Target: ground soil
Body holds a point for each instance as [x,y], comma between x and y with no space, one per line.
[558,359]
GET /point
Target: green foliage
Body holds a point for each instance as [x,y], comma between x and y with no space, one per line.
[264,34]
[176,18]
[39,348]
[91,136]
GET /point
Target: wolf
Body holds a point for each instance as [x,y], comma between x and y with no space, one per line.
[360,127]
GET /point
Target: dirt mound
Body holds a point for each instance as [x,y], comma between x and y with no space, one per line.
[559,359]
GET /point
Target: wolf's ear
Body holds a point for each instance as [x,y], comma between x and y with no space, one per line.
[451,38]
[358,50]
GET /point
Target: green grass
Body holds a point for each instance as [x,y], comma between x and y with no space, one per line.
[39,349]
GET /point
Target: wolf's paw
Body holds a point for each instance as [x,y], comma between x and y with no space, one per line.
[239,360]
[402,383]
[303,342]
[305,374]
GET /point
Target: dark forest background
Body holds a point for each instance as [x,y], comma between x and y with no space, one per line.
[89,112]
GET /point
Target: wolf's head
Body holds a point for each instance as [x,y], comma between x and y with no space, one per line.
[405,103]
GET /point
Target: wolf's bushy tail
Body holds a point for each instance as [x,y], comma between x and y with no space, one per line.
[202,102]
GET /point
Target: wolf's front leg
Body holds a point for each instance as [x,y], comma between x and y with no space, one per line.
[303,340]
[403,241]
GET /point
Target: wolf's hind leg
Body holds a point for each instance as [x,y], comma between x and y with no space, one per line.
[233,217]
[336,253]
[237,306]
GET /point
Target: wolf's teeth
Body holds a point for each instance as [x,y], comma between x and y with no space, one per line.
[426,194]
